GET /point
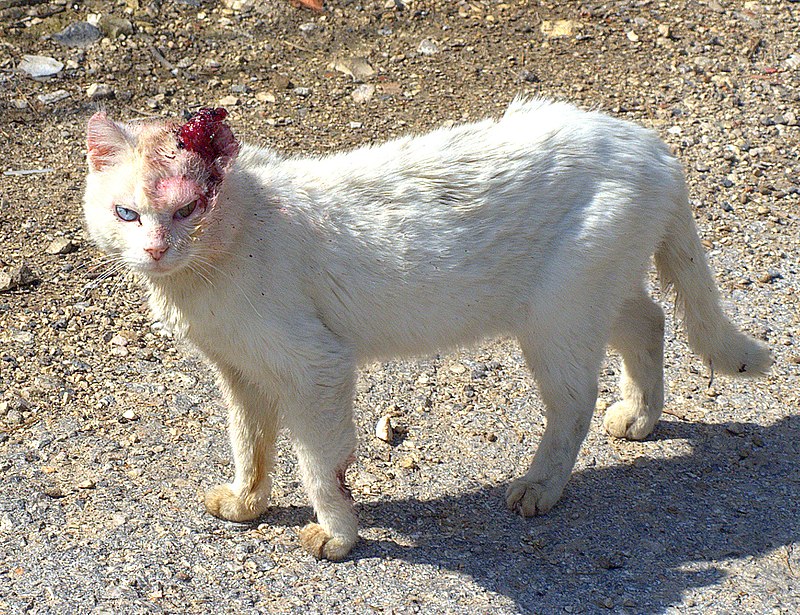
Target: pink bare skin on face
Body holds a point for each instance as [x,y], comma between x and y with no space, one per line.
[176,191]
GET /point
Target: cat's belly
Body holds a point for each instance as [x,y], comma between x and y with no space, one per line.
[408,324]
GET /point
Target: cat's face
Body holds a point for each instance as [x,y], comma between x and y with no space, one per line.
[152,188]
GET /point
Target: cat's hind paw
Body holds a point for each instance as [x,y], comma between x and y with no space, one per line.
[317,541]
[529,498]
[629,421]
[222,502]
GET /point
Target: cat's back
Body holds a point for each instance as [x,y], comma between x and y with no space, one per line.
[535,138]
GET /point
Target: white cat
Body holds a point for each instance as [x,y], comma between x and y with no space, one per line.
[287,273]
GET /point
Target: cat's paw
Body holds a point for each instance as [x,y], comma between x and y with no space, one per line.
[528,498]
[222,502]
[322,545]
[627,420]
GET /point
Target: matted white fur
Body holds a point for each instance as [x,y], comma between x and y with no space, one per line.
[540,225]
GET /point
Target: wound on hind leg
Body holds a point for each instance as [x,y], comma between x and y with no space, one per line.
[341,479]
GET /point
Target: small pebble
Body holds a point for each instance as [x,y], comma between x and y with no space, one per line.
[99,91]
[384,430]
[16,277]
[61,245]
[52,97]
[363,93]
[428,47]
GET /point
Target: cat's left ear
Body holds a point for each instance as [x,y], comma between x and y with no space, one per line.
[105,140]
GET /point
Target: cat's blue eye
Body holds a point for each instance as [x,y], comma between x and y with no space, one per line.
[186,210]
[128,215]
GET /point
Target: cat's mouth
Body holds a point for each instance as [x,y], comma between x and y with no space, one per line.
[156,269]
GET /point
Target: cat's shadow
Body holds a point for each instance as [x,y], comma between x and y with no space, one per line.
[635,537]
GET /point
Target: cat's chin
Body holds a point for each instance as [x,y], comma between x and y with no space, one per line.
[158,270]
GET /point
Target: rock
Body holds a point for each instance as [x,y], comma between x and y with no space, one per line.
[303,92]
[390,88]
[384,430]
[428,47]
[228,101]
[113,27]
[240,6]
[632,36]
[78,34]
[118,340]
[737,429]
[54,491]
[99,91]
[18,336]
[16,277]
[61,245]
[770,277]
[363,93]
[265,97]
[52,97]
[664,30]
[40,66]
[559,28]
[356,67]
[281,82]
[793,61]
[356,125]
[129,415]
[87,483]
[408,463]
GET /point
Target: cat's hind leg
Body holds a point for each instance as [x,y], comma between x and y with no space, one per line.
[638,335]
[252,425]
[565,361]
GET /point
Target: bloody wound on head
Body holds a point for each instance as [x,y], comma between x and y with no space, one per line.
[197,135]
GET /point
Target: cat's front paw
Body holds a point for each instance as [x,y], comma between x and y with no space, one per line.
[222,502]
[529,498]
[317,541]
[625,419]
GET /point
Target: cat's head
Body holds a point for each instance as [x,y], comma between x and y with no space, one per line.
[152,187]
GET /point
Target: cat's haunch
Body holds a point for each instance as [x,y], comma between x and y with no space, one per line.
[287,273]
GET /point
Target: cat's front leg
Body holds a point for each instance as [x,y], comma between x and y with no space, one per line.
[320,421]
[252,425]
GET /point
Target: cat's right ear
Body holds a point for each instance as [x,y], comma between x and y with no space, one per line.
[105,140]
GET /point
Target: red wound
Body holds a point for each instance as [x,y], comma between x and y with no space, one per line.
[197,135]
[206,135]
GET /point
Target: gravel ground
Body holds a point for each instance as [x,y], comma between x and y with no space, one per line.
[111,431]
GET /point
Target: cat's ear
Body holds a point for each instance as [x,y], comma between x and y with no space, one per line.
[105,140]
[226,146]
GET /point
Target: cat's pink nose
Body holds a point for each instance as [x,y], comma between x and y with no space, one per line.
[156,253]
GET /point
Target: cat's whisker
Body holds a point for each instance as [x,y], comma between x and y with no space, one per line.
[117,265]
[231,279]
[197,269]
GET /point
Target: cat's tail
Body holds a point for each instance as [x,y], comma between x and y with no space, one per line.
[681,263]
